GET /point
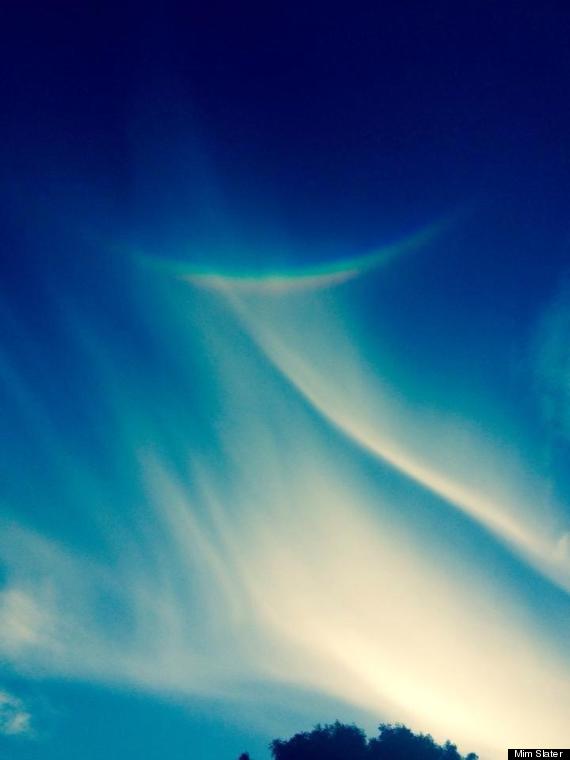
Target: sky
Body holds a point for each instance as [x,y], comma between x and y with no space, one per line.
[284,375]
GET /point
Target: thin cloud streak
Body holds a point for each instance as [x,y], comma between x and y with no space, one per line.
[295,279]
[367,416]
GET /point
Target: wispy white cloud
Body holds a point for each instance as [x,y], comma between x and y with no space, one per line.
[273,555]
[14,717]
[468,472]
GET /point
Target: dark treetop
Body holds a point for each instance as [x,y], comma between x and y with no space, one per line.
[348,742]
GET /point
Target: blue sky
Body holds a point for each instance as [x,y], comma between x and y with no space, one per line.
[284,377]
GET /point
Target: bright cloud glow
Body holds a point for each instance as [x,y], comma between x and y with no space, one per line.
[292,544]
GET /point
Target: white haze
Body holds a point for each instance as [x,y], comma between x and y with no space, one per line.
[288,552]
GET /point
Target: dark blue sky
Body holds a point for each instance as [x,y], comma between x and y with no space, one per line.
[236,137]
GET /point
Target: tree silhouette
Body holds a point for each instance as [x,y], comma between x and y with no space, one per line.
[333,742]
[339,741]
[400,743]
